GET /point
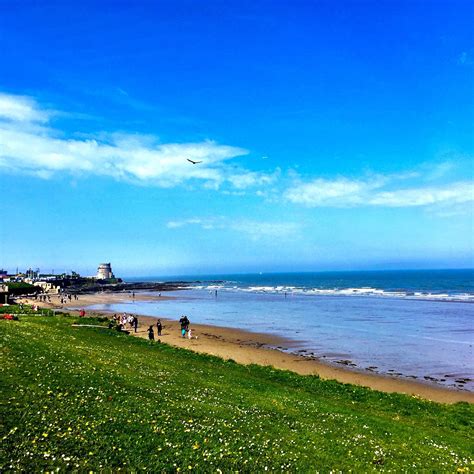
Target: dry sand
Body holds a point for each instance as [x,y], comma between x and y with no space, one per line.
[252,348]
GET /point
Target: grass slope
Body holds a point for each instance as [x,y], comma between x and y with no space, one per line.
[82,398]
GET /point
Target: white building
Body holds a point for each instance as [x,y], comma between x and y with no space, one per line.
[47,286]
[104,271]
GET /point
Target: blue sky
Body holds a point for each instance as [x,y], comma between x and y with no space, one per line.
[332,135]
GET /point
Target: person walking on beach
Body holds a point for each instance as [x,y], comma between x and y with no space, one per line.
[159,327]
[184,321]
[151,334]
[135,323]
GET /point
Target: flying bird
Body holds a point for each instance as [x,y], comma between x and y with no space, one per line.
[194,162]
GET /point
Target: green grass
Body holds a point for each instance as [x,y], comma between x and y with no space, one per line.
[25,309]
[94,399]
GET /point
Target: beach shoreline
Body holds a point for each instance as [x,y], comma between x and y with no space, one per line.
[247,347]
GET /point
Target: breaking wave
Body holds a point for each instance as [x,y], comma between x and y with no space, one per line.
[347,292]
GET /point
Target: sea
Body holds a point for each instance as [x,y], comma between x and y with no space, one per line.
[416,324]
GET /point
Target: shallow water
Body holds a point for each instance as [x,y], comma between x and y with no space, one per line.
[389,335]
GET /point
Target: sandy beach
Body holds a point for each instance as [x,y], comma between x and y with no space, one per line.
[254,348]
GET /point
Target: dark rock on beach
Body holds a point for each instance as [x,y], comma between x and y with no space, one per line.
[88,287]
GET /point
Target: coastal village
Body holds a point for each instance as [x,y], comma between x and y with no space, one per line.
[33,282]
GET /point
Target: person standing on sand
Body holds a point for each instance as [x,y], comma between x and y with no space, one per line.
[159,327]
[135,323]
[151,334]
[184,321]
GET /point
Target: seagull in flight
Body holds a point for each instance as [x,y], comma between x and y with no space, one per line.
[194,162]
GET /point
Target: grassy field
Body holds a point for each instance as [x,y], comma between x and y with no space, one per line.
[94,399]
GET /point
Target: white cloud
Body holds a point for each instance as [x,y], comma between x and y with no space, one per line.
[185,222]
[27,145]
[251,178]
[343,192]
[255,230]
[21,109]
[340,192]
[453,193]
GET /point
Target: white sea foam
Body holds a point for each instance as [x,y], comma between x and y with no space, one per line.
[361,292]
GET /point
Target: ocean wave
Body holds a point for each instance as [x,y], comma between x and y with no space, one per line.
[360,292]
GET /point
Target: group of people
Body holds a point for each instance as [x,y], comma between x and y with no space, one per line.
[65,297]
[125,319]
[185,330]
[43,298]
[62,297]
[151,331]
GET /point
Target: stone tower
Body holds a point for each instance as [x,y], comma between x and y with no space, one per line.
[104,271]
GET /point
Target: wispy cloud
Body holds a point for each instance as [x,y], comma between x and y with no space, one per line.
[454,193]
[381,191]
[248,179]
[203,223]
[340,192]
[255,230]
[29,145]
[22,109]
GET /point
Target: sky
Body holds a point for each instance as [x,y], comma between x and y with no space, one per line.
[332,135]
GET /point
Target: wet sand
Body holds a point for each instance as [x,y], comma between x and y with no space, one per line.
[253,348]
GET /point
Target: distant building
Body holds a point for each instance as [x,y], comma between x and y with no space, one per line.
[47,286]
[104,272]
[32,274]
